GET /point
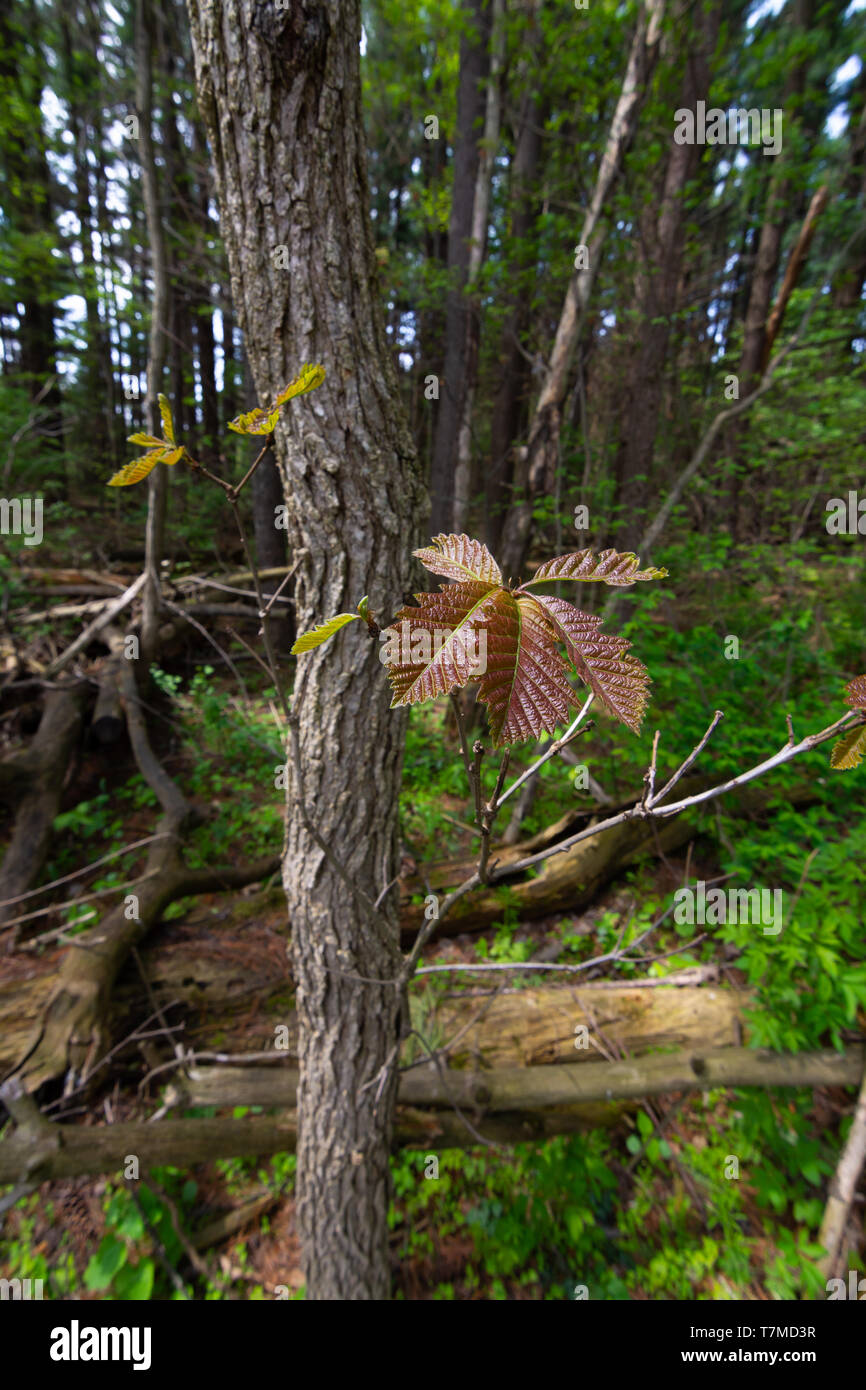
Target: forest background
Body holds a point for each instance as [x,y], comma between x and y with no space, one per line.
[600,337]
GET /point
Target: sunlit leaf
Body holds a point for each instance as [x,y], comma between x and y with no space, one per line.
[146,440]
[137,469]
[309,377]
[167,421]
[848,751]
[172,456]
[263,420]
[321,634]
[608,567]
[255,421]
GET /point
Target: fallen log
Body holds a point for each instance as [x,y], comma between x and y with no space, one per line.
[524,1028]
[37,775]
[109,611]
[71,1033]
[570,881]
[510,1106]
[531,1026]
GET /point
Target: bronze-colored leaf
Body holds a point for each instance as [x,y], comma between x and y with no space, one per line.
[525,686]
[476,629]
[855,693]
[608,567]
[433,649]
[601,660]
[460,558]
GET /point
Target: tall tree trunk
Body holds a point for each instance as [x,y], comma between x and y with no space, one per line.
[474,67]
[156,497]
[205,307]
[283,114]
[848,288]
[477,246]
[513,374]
[538,464]
[25,194]
[657,294]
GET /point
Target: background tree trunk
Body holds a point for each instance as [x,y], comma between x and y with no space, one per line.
[474,67]
[282,112]
[157,489]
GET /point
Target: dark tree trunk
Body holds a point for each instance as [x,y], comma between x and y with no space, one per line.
[848,288]
[474,64]
[267,489]
[205,307]
[510,412]
[25,194]
[657,295]
[156,500]
[283,116]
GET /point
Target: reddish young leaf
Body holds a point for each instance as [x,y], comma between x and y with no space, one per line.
[460,558]
[600,659]
[608,567]
[855,693]
[524,688]
[433,649]
[477,628]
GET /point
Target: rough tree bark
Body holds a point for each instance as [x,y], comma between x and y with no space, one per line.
[280,95]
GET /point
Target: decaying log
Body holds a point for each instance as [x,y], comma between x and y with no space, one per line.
[842,1190]
[529,1026]
[71,1033]
[213,984]
[568,882]
[35,777]
[538,1027]
[106,724]
[511,1105]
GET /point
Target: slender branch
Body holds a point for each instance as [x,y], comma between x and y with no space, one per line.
[550,751]
[251,470]
[693,756]
[647,810]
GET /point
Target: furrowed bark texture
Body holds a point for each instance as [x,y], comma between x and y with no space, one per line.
[280,94]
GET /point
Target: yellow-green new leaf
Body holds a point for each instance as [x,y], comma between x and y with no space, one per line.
[167,421]
[309,377]
[137,469]
[255,421]
[321,634]
[263,420]
[848,751]
[147,441]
